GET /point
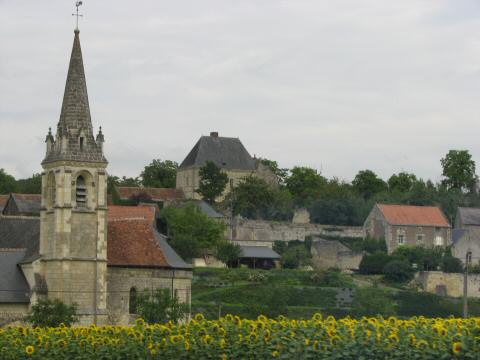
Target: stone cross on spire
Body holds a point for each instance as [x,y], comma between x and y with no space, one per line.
[74,139]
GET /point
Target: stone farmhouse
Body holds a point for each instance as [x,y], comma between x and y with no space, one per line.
[408,225]
[80,250]
[227,153]
[466,234]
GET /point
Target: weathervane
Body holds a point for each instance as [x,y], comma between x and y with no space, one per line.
[77,4]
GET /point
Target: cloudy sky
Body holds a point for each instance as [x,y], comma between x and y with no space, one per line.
[338,85]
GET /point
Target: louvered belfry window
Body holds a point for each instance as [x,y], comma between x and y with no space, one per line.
[81,192]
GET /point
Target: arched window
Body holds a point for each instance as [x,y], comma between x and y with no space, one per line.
[132,303]
[81,192]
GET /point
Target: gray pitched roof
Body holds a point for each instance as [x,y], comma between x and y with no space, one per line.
[13,285]
[171,256]
[469,216]
[258,252]
[23,204]
[208,210]
[457,234]
[226,153]
[75,117]
[20,233]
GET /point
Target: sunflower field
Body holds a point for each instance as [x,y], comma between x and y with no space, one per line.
[235,338]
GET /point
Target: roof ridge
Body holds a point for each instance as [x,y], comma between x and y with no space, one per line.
[12,249]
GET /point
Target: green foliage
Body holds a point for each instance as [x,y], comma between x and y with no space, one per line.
[113,181]
[425,258]
[159,306]
[8,183]
[398,271]
[373,301]
[374,264]
[401,182]
[451,264]
[51,313]
[192,231]
[273,165]
[459,170]
[331,277]
[253,198]
[160,174]
[228,252]
[31,185]
[296,256]
[367,184]
[212,182]
[345,209]
[305,184]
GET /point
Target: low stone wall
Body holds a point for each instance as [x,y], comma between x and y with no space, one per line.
[251,232]
[448,284]
[10,313]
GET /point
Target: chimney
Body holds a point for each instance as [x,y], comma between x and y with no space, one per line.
[214,134]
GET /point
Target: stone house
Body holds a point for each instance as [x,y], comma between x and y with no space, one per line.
[80,250]
[227,153]
[408,225]
[332,253]
[123,195]
[467,218]
[23,205]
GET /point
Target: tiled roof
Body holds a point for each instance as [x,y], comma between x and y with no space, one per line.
[414,215]
[12,278]
[133,240]
[155,194]
[469,216]
[225,152]
[3,201]
[27,204]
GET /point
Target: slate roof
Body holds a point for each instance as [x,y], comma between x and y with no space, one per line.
[208,210]
[20,233]
[414,215]
[75,117]
[23,204]
[469,216]
[258,252]
[155,194]
[457,234]
[227,153]
[12,278]
[3,201]
[133,240]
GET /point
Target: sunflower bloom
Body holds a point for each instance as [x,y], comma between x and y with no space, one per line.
[29,350]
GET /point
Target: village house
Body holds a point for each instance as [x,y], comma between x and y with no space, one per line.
[466,234]
[79,250]
[408,225]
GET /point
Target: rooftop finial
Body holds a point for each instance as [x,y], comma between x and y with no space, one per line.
[77,4]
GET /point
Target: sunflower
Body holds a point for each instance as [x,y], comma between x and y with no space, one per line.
[456,347]
[29,350]
[275,353]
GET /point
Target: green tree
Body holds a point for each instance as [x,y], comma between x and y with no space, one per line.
[459,170]
[367,184]
[52,313]
[192,231]
[373,301]
[160,174]
[228,252]
[159,306]
[402,182]
[374,264]
[31,185]
[305,184]
[113,181]
[7,183]
[296,256]
[279,172]
[212,182]
[398,271]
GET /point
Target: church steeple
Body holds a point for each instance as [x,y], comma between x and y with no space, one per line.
[74,139]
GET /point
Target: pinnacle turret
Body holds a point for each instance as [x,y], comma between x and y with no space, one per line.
[74,138]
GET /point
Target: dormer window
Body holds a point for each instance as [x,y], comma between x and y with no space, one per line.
[81,192]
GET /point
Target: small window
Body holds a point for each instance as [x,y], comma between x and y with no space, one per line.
[81,192]
[420,238]
[82,140]
[401,236]
[438,240]
[132,303]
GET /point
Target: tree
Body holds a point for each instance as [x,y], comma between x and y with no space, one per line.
[52,313]
[459,170]
[228,252]
[159,306]
[160,174]
[192,231]
[7,183]
[373,301]
[296,256]
[398,271]
[374,264]
[280,173]
[113,181]
[212,182]
[403,182]
[367,184]
[31,185]
[305,184]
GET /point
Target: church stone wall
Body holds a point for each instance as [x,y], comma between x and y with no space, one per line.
[121,279]
[13,312]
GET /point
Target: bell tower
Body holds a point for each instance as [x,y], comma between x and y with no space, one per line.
[73,230]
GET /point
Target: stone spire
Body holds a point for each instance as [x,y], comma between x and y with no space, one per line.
[74,139]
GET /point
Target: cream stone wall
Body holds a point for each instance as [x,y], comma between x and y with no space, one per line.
[436,282]
[11,312]
[120,280]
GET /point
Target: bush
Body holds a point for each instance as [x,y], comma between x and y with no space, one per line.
[228,252]
[373,301]
[159,306]
[374,264]
[331,277]
[398,271]
[451,264]
[51,313]
[295,257]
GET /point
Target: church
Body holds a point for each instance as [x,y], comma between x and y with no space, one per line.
[80,250]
